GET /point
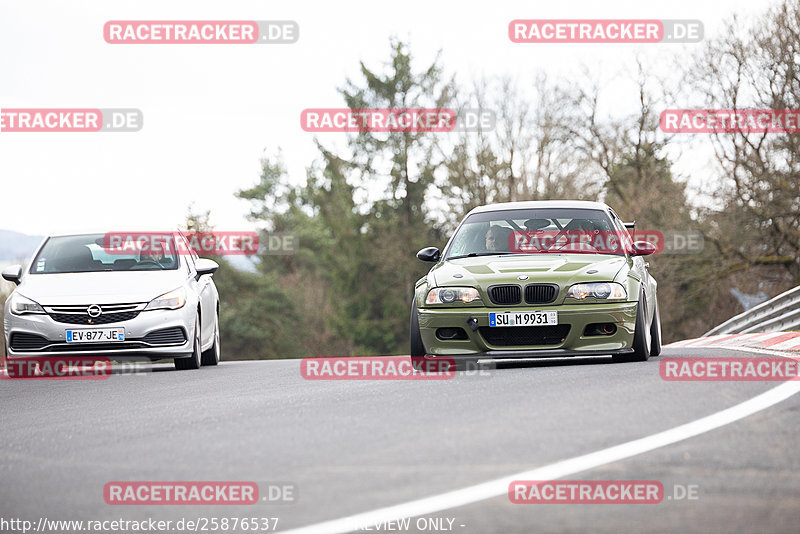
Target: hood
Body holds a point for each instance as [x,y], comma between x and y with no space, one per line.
[105,287]
[561,269]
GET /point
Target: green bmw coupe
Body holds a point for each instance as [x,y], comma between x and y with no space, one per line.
[537,279]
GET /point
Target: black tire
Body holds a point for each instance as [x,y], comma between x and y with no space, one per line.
[641,336]
[416,347]
[655,332]
[193,362]
[211,356]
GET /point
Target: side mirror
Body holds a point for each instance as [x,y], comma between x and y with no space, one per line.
[205,266]
[429,254]
[642,248]
[13,273]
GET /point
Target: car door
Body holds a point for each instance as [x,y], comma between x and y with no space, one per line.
[206,293]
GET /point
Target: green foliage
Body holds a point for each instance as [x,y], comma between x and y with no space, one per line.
[357,254]
[257,318]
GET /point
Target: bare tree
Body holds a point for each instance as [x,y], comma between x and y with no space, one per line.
[756,67]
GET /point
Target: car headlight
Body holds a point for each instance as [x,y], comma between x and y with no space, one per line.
[447,295]
[598,290]
[20,305]
[168,301]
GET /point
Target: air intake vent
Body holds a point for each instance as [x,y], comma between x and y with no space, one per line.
[517,336]
[22,341]
[510,294]
[166,336]
[451,333]
[540,293]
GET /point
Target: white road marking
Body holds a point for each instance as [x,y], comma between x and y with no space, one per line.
[705,341]
[738,339]
[499,486]
[766,337]
[675,344]
[732,340]
[789,344]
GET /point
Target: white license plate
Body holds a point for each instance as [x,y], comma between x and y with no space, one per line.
[96,335]
[523,318]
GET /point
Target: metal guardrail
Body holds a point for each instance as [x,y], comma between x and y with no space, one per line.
[775,315]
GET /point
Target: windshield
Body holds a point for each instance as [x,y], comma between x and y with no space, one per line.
[86,253]
[538,231]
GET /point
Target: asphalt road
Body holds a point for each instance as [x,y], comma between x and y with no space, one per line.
[350,447]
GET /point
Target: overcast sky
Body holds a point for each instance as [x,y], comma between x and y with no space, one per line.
[210,111]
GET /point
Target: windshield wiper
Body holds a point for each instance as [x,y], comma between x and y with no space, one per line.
[476,254]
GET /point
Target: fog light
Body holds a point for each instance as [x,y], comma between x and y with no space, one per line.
[600,329]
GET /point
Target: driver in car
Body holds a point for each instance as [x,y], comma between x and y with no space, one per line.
[497,238]
[153,254]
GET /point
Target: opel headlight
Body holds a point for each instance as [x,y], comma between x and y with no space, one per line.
[448,295]
[598,290]
[21,305]
[168,301]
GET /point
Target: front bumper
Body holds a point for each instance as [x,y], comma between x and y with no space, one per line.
[134,347]
[560,342]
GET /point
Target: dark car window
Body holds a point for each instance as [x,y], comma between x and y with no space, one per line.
[539,231]
[87,253]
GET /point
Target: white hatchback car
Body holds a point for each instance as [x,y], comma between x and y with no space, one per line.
[78,298]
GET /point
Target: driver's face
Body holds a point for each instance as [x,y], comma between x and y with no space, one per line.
[156,256]
[490,242]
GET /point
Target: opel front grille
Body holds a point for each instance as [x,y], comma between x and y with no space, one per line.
[109,313]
